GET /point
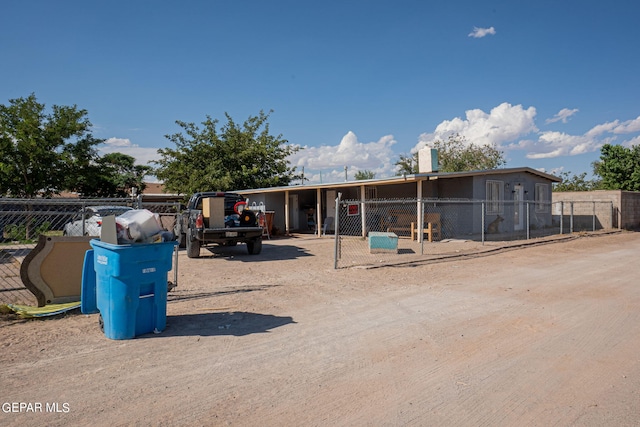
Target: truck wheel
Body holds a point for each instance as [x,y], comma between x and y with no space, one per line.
[182,240]
[254,246]
[193,248]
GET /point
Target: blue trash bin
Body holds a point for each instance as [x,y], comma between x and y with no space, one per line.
[130,287]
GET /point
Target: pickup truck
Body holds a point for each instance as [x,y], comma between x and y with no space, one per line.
[203,223]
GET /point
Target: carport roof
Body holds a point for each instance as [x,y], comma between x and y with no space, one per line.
[404,178]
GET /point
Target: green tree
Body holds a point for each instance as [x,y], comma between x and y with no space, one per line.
[232,158]
[123,174]
[364,174]
[38,149]
[113,175]
[456,155]
[572,182]
[619,167]
[407,164]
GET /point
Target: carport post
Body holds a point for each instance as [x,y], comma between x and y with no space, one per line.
[319,212]
[528,227]
[593,219]
[286,213]
[421,209]
[482,232]
[561,216]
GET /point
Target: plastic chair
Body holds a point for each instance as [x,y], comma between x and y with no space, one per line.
[328,222]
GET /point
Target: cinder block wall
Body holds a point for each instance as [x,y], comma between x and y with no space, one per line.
[626,206]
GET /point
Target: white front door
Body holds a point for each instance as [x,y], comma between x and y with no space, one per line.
[330,203]
[518,207]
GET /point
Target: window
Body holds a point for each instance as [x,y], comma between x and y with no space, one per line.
[541,197]
[495,197]
[370,193]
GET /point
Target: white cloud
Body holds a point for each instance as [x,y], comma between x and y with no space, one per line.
[481,32]
[602,129]
[513,128]
[556,144]
[326,163]
[124,145]
[630,126]
[504,123]
[563,115]
[632,142]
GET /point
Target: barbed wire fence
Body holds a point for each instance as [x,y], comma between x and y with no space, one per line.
[384,231]
[22,221]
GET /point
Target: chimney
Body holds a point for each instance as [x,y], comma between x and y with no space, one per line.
[427,160]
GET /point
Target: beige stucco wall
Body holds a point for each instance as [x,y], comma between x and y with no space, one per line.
[625,210]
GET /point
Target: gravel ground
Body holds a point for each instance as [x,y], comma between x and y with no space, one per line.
[534,335]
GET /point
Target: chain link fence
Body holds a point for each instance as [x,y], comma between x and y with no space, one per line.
[22,221]
[386,231]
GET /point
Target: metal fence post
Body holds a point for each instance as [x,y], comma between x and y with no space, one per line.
[83,213]
[336,232]
[571,218]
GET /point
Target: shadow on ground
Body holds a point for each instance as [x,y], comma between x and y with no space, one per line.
[178,294]
[220,324]
[269,253]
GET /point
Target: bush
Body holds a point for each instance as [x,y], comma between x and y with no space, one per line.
[18,232]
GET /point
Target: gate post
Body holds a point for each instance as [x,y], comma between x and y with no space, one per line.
[336,232]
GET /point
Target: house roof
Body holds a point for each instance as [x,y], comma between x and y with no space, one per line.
[405,178]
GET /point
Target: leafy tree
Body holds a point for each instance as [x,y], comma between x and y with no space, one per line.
[113,175]
[619,167]
[576,183]
[407,164]
[85,175]
[44,153]
[124,175]
[364,174]
[457,155]
[233,157]
[38,149]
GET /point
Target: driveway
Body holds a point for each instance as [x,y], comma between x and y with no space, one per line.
[540,335]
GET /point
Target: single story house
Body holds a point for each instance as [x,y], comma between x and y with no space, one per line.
[304,208]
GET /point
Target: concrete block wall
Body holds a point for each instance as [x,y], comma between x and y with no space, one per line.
[624,215]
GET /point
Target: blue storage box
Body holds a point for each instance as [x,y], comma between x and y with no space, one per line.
[130,287]
[381,242]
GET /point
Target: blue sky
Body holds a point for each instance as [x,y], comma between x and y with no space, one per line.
[357,83]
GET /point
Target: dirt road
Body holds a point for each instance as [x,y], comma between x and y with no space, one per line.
[546,335]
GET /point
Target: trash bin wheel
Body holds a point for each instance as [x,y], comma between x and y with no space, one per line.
[101,323]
